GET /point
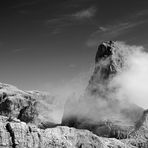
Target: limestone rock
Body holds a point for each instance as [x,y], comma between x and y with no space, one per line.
[139,134]
[20,135]
[28,106]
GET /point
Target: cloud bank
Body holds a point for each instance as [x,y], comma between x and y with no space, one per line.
[133,81]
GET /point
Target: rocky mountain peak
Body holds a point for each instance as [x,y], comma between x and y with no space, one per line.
[110,59]
[104,50]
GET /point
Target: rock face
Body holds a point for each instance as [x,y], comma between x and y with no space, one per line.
[110,60]
[139,135]
[113,117]
[17,134]
[16,103]
[31,107]
[107,63]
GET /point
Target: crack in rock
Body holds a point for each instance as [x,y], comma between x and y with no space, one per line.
[11,132]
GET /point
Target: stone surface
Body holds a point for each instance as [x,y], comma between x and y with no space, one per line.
[17,134]
[111,59]
[139,135]
[29,106]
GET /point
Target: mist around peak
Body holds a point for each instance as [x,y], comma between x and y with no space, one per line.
[117,89]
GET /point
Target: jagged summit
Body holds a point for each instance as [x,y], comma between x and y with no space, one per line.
[104,50]
[110,59]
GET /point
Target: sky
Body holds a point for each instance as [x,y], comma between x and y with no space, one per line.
[46,43]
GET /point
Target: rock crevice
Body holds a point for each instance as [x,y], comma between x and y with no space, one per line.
[12,135]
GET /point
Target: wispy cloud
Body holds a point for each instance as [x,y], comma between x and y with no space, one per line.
[142,13]
[85,14]
[109,32]
[72,66]
[104,29]
[114,30]
[58,23]
[118,29]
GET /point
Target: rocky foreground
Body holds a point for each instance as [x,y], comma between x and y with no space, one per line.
[21,126]
[32,119]
[17,134]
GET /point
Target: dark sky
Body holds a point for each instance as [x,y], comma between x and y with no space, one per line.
[46,43]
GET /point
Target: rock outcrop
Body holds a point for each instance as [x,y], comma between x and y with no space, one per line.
[17,134]
[139,135]
[28,106]
[110,59]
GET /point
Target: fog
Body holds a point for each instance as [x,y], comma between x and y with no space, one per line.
[132,82]
[119,98]
[126,88]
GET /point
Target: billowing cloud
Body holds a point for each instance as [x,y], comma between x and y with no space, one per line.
[132,82]
[129,86]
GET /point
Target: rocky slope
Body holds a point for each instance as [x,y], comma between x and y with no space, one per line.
[139,135]
[35,107]
[16,134]
[20,116]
